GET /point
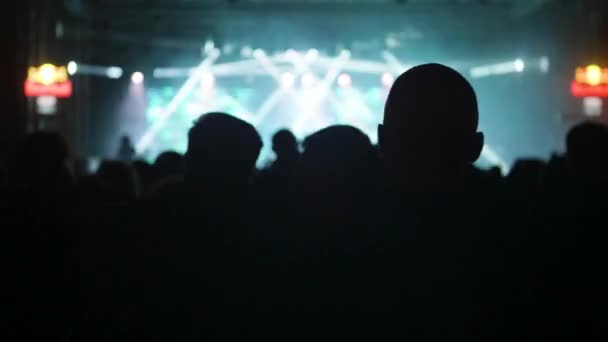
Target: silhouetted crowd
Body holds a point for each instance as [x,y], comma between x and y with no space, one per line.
[337,239]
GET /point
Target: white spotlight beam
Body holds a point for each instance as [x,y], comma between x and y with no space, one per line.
[393,63]
[334,69]
[267,64]
[267,106]
[492,156]
[181,94]
[517,65]
[99,70]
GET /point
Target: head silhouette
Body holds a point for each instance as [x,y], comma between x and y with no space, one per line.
[41,161]
[430,125]
[285,145]
[169,163]
[338,167]
[587,153]
[222,151]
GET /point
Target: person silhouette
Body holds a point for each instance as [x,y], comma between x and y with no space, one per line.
[221,154]
[435,223]
[586,146]
[182,278]
[285,146]
[274,182]
[126,151]
[429,136]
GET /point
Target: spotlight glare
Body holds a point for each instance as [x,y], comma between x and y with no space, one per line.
[207,80]
[344,81]
[291,53]
[387,79]
[307,80]
[312,54]
[258,53]
[246,51]
[114,72]
[519,65]
[544,64]
[137,77]
[48,74]
[72,68]
[594,75]
[287,80]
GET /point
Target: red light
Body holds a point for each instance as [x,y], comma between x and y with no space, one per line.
[584,90]
[61,90]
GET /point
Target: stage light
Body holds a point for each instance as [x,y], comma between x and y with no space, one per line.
[592,106]
[594,75]
[114,72]
[307,80]
[344,81]
[291,54]
[544,64]
[519,65]
[387,79]
[287,80]
[46,105]
[47,74]
[207,80]
[312,54]
[258,53]
[137,77]
[47,80]
[246,51]
[72,68]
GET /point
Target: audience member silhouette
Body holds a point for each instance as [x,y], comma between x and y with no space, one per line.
[126,151]
[221,155]
[441,230]
[41,165]
[586,146]
[146,175]
[36,221]
[169,164]
[429,135]
[335,186]
[278,175]
[118,181]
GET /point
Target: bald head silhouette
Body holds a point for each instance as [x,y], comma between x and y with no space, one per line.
[430,124]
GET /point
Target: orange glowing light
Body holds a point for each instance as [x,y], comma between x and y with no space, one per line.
[48,80]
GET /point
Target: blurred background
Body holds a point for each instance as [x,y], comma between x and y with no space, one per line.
[97,70]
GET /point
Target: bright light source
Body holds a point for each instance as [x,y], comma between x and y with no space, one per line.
[258,53]
[312,54]
[519,65]
[387,79]
[207,80]
[345,53]
[287,80]
[209,46]
[72,68]
[246,51]
[544,64]
[114,72]
[592,106]
[291,53]
[307,80]
[47,74]
[344,81]
[46,105]
[594,75]
[137,77]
